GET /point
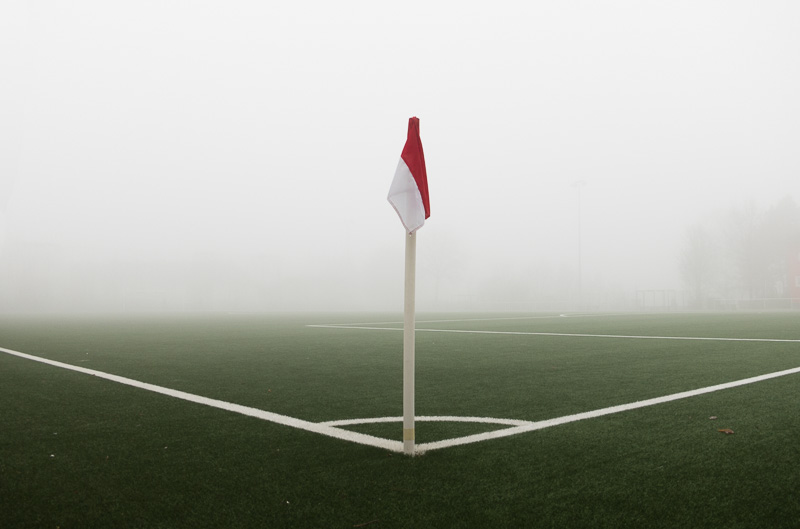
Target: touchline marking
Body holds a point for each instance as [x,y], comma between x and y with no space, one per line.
[599,413]
[330,431]
[577,335]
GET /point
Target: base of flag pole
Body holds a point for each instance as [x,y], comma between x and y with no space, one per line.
[408,442]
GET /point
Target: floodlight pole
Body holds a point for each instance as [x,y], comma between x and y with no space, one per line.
[578,185]
[408,345]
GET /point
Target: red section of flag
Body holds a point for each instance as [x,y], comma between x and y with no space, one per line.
[415,160]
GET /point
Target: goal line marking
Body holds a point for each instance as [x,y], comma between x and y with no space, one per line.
[330,431]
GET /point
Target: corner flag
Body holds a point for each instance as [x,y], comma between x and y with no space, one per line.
[409,197]
[409,191]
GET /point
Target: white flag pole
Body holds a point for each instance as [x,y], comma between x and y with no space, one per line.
[408,345]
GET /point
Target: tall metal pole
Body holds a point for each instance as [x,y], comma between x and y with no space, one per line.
[578,185]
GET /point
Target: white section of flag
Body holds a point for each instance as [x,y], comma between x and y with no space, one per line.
[405,198]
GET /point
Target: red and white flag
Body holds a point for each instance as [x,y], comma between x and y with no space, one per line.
[409,192]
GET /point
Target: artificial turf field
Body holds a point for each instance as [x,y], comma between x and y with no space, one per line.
[78,450]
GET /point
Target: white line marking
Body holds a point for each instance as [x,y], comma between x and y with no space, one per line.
[599,413]
[429,418]
[577,335]
[506,318]
[601,315]
[330,431]
[356,325]
[511,318]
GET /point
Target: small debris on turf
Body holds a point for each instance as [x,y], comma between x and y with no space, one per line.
[713,417]
[726,431]
[365,523]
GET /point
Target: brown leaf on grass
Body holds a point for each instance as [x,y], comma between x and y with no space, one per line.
[726,431]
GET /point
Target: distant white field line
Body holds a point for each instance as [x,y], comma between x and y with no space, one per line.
[575,335]
[498,318]
[503,318]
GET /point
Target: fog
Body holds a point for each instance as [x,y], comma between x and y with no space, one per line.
[236,156]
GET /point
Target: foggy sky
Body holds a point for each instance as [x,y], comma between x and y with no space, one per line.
[237,155]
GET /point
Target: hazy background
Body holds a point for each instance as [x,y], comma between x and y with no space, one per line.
[189,155]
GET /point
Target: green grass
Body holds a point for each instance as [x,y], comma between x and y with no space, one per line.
[77,451]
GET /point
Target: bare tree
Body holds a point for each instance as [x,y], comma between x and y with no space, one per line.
[744,255]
